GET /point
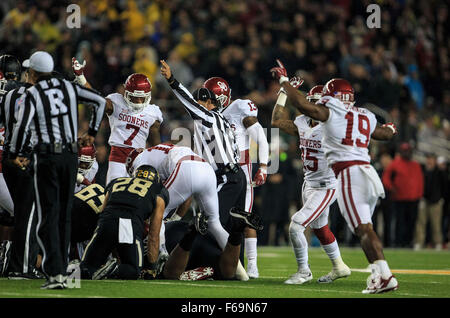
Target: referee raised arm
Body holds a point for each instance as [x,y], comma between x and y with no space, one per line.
[50,111]
[214,140]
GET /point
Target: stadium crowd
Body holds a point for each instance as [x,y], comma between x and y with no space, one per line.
[401,70]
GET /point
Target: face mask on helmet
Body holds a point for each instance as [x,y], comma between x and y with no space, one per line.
[85,164]
[3,82]
[130,96]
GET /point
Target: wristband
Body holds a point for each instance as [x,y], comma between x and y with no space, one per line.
[283,79]
[281,101]
[393,129]
[80,79]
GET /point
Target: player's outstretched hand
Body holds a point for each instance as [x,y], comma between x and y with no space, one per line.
[279,71]
[165,69]
[260,176]
[86,140]
[391,126]
[296,81]
[78,68]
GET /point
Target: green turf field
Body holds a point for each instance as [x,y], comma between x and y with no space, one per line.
[420,274]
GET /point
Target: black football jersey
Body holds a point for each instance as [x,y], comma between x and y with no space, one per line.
[136,195]
[85,210]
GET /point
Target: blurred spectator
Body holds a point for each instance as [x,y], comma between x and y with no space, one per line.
[444,168]
[430,207]
[412,82]
[403,179]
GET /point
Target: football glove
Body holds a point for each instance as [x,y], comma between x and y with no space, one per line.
[280,72]
[260,176]
[391,126]
[78,70]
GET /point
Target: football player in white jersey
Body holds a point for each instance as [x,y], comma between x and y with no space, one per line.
[346,135]
[132,119]
[318,191]
[242,114]
[87,167]
[184,174]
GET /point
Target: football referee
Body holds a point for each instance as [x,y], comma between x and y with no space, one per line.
[214,140]
[50,111]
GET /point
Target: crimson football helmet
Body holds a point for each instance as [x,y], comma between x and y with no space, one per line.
[2,83]
[130,159]
[221,88]
[137,85]
[314,93]
[86,158]
[341,89]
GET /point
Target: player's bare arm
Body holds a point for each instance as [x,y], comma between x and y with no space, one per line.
[314,111]
[280,119]
[256,132]
[155,137]
[384,132]
[154,229]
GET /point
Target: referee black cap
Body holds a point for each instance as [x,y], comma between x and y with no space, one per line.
[203,94]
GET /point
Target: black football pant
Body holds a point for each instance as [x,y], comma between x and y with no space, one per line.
[104,241]
[54,179]
[24,249]
[232,194]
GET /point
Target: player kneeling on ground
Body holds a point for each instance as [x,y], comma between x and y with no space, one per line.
[128,203]
[197,257]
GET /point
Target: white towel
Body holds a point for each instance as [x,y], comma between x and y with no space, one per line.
[377,185]
[125,231]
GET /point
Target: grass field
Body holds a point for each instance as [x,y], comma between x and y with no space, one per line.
[424,274]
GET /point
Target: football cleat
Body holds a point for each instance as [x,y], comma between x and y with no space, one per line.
[5,251]
[252,270]
[55,282]
[251,219]
[201,223]
[241,274]
[199,273]
[107,270]
[376,284]
[341,272]
[301,277]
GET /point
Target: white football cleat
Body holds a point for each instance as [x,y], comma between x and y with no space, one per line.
[377,285]
[339,272]
[301,277]
[252,270]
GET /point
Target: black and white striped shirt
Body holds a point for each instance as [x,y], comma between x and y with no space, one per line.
[214,138]
[9,109]
[50,110]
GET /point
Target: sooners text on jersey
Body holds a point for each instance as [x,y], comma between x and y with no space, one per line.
[315,165]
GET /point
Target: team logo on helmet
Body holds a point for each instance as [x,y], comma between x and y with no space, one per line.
[222,85]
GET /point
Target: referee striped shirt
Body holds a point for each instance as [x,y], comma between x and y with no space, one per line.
[50,110]
[214,138]
[9,109]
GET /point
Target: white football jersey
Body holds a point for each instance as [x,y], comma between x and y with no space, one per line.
[347,131]
[235,113]
[90,175]
[315,166]
[163,158]
[2,137]
[130,129]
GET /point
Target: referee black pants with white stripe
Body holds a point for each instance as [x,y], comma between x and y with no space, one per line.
[24,249]
[54,182]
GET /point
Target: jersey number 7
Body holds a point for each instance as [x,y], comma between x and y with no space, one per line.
[135,132]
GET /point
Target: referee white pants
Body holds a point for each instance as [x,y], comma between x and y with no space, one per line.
[197,178]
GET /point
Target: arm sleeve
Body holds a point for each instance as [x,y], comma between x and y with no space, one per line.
[89,96]
[197,111]
[256,132]
[20,129]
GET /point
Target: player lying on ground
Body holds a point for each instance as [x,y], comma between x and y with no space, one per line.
[242,114]
[318,191]
[195,257]
[346,135]
[128,203]
[132,119]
